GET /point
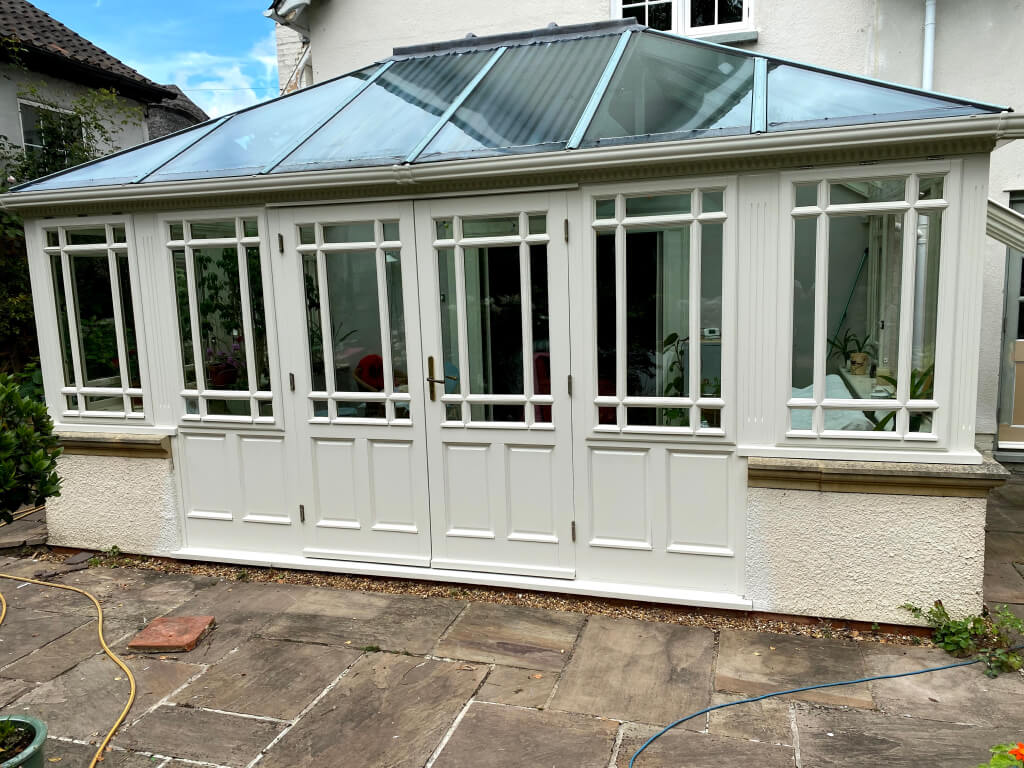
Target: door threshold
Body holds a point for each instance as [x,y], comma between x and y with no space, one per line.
[590,587]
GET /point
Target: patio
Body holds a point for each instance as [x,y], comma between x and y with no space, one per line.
[295,675]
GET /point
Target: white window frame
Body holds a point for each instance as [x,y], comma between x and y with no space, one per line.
[724,434]
[681,18]
[201,393]
[881,446]
[56,382]
[35,105]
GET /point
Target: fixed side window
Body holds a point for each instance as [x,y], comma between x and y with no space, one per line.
[865,283]
[93,282]
[42,127]
[218,280]
[689,17]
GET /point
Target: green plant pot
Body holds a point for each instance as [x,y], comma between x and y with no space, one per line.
[32,757]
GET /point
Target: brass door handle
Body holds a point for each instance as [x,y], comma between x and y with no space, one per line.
[432,381]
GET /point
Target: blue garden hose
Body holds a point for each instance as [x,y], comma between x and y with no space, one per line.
[669,727]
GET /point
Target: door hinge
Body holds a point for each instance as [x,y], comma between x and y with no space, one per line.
[573,528]
[280,243]
[302,513]
[565,226]
[291,381]
[569,384]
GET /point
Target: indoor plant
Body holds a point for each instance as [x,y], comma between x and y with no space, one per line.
[21,741]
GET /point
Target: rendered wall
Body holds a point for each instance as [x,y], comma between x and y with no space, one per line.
[105,501]
[860,556]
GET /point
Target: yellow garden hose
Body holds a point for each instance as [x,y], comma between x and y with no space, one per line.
[106,649]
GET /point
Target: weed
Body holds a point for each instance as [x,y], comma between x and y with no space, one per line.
[987,635]
[241,575]
[371,648]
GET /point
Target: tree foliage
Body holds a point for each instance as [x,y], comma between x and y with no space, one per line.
[28,451]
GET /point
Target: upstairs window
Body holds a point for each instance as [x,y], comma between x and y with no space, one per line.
[689,17]
[46,128]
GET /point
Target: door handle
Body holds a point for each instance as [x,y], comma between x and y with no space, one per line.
[432,381]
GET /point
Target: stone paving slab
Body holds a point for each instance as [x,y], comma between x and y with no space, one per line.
[388,710]
[963,695]
[87,699]
[755,663]
[518,687]
[12,689]
[637,671]
[858,738]
[390,622]
[194,734]
[680,748]
[512,635]
[67,754]
[766,720]
[65,652]
[26,531]
[495,736]
[271,678]
[132,594]
[241,610]
[24,630]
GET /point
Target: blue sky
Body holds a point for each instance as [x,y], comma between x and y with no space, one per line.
[220,52]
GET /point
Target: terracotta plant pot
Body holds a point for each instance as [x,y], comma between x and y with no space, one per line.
[859,363]
[31,756]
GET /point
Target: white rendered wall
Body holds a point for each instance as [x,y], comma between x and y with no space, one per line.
[106,501]
[860,556]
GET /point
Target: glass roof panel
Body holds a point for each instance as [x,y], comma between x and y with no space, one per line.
[670,86]
[529,102]
[391,116]
[806,98]
[251,139]
[126,167]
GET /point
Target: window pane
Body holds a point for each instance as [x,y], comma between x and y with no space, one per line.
[538,224]
[219,300]
[638,12]
[504,413]
[801,419]
[604,209]
[540,325]
[533,78]
[926,305]
[868,191]
[711,309]
[493,227]
[605,300]
[86,236]
[494,325]
[391,231]
[402,411]
[667,86]
[449,322]
[119,234]
[266,409]
[864,278]
[314,331]
[444,228]
[175,230]
[352,409]
[228,408]
[249,228]
[730,11]
[259,319]
[184,323]
[97,335]
[711,201]
[656,417]
[307,235]
[209,230]
[921,421]
[356,356]
[114,403]
[860,421]
[57,272]
[657,205]
[702,13]
[659,16]
[350,232]
[930,188]
[657,312]
[804,249]
[710,418]
[396,316]
[52,238]
[131,344]
[806,195]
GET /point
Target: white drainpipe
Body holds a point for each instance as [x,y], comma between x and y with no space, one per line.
[928,56]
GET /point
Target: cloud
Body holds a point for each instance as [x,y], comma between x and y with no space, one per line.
[220,83]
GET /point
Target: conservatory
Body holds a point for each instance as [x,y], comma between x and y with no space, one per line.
[591,309]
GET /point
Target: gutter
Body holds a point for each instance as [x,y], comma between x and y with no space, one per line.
[1005,225]
[993,127]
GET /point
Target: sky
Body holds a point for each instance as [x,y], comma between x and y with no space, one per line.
[220,52]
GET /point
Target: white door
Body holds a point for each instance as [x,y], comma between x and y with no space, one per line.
[350,342]
[493,276]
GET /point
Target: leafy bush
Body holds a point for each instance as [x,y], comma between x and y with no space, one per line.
[28,451]
[987,635]
[1006,756]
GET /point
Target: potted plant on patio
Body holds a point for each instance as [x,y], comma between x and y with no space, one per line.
[21,741]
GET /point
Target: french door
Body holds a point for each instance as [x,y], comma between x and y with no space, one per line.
[428,369]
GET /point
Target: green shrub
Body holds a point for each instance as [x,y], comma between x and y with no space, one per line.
[28,451]
[1005,756]
[987,635]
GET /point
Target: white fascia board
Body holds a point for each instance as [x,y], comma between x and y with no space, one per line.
[1005,225]
[819,140]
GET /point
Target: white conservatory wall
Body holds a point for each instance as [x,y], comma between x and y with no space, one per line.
[859,556]
[105,501]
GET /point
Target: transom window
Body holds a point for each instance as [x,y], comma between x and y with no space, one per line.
[492,275]
[218,280]
[694,17]
[866,260]
[659,312]
[355,322]
[93,294]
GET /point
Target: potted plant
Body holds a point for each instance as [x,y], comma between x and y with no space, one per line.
[860,357]
[21,741]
